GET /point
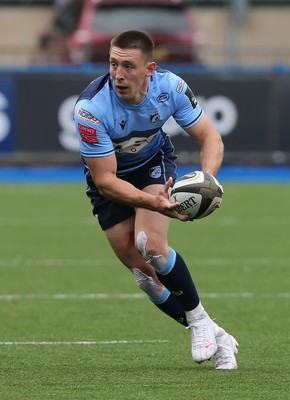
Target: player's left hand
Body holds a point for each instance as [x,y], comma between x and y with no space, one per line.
[166,207]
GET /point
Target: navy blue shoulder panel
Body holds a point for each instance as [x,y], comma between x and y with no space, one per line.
[94,87]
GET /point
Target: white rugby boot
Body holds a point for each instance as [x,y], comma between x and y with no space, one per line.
[203,338]
[227,347]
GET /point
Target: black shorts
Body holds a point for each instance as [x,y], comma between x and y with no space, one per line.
[156,171]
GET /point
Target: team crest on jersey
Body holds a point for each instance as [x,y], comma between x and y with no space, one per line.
[87,116]
[155,172]
[154,117]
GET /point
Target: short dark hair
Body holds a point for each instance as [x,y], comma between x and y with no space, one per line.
[134,40]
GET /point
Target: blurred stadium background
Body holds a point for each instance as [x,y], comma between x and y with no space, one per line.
[242,81]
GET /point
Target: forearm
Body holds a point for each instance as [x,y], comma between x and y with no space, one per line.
[211,154]
[103,172]
[121,191]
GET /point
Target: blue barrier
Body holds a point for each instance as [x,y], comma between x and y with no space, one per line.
[70,175]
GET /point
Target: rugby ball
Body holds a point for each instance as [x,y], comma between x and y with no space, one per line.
[199,194]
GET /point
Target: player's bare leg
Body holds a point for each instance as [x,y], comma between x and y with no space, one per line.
[121,239]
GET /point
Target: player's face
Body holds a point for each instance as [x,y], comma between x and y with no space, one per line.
[130,72]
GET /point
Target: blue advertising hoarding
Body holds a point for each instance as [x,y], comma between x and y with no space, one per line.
[7,111]
[249,108]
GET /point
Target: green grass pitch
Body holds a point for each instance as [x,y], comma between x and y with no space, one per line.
[74,326]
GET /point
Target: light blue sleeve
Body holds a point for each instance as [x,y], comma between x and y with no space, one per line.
[93,138]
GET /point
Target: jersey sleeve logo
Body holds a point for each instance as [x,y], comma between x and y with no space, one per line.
[180,85]
[87,116]
[89,135]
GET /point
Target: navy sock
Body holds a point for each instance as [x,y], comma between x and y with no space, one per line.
[179,281]
[174,309]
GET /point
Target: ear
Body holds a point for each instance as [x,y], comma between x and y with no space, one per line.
[151,67]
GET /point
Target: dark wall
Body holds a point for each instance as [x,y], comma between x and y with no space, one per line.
[250,111]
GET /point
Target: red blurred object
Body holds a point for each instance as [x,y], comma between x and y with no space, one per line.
[83,29]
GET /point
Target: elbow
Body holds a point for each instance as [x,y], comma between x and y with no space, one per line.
[221,144]
[103,191]
[105,188]
[218,142]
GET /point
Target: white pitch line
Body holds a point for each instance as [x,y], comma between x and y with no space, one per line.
[56,262]
[97,262]
[71,296]
[124,296]
[88,220]
[97,342]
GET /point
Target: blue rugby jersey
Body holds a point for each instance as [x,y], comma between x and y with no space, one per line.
[106,124]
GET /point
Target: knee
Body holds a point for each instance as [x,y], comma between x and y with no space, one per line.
[147,248]
[151,252]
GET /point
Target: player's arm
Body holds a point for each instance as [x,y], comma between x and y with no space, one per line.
[211,145]
[103,171]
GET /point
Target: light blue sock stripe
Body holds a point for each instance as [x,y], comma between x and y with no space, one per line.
[161,299]
[169,263]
